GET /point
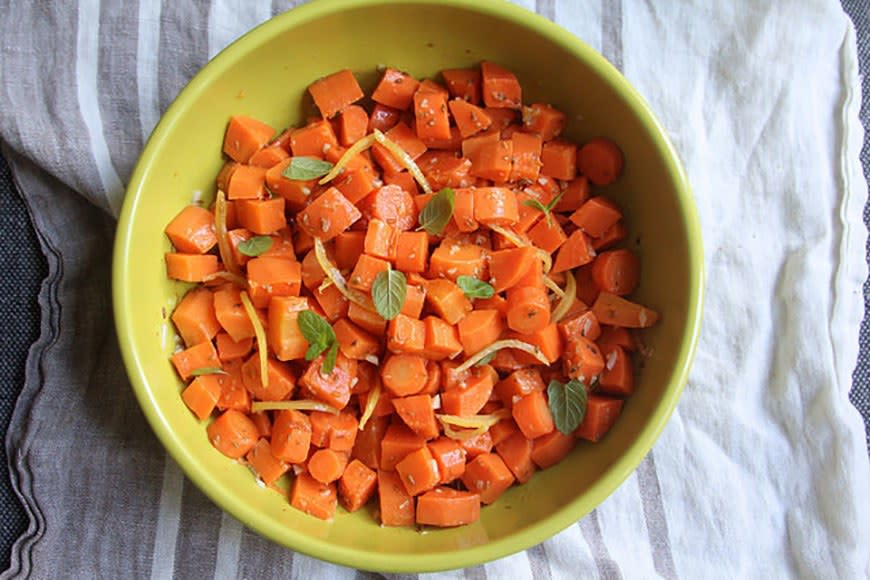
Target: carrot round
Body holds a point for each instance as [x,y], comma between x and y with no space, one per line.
[600,160]
[233,434]
[528,309]
[616,271]
[404,374]
[327,465]
[447,507]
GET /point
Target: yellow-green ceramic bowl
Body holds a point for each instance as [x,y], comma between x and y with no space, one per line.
[265,74]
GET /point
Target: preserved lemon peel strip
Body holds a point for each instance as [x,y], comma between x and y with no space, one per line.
[470,426]
[404,159]
[498,345]
[300,405]
[568,299]
[520,243]
[261,338]
[371,403]
[228,276]
[335,275]
[220,226]
[554,287]
[354,150]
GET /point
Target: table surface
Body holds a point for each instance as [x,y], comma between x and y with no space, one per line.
[24,268]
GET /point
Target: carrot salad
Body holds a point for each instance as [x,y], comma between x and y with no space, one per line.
[417,298]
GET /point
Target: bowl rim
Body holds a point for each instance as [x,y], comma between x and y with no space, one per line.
[532,535]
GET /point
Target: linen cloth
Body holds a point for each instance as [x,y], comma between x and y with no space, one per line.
[762,469]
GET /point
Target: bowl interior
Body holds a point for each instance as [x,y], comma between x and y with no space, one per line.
[265,75]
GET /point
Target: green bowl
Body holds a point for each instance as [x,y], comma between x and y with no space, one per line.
[265,74]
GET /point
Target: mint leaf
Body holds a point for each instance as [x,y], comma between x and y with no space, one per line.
[437,212]
[329,359]
[474,288]
[317,332]
[545,209]
[306,168]
[567,404]
[207,371]
[388,293]
[255,246]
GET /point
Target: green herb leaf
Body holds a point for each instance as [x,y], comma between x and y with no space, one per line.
[207,371]
[474,288]
[567,404]
[545,209]
[438,211]
[329,359]
[388,293]
[487,359]
[306,168]
[317,332]
[255,246]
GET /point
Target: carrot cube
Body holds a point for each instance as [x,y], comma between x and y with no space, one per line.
[488,476]
[333,93]
[192,230]
[201,395]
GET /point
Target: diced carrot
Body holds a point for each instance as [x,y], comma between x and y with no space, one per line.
[366,270]
[470,119]
[582,359]
[268,157]
[418,414]
[447,300]
[488,476]
[418,471]
[616,271]
[245,136]
[615,233]
[312,497]
[192,231]
[442,338]
[247,182]
[395,89]
[262,217]
[517,385]
[583,324]
[547,235]
[194,317]
[234,395]
[282,380]
[467,398]
[335,431]
[263,422]
[550,449]
[618,336]
[478,329]
[559,159]
[533,415]
[296,192]
[327,465]
[617,378]
[357,485]
[334,388]
[384,118]
[452,259]
[403,136]
[447,507]
[450,457]
[198,356]
[397,442]
[404,180]
[368,320]
[463,84]
[395,505]
[544,120]
[202,394]
[492,160]
[284,336]
[233,434]
[223,176]
[414,299]
[328,215]
[463,211]
[500,87]
[355,342]
[406,335]
[477,445]
[268,467]
[596,216]
[393,205]
[601,414]
[431,115]
[332,301]
[516,452]
[313,140]
[381,240]
[404,374]
[507,267]
[471,145]
[312,274]
[526,150]
[495,206]
[190,267]
[367,447]
[528,309]
[548,341]
[353,125]
[616,311]
[268,277]
[348,247]
[576,251]
[445,169]
[356,184]
[587,290]
[600,160]
[412,251]
[333,93]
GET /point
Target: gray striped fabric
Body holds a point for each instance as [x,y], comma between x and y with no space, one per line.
[85,83]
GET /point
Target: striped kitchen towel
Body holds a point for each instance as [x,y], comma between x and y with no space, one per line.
[762,471]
